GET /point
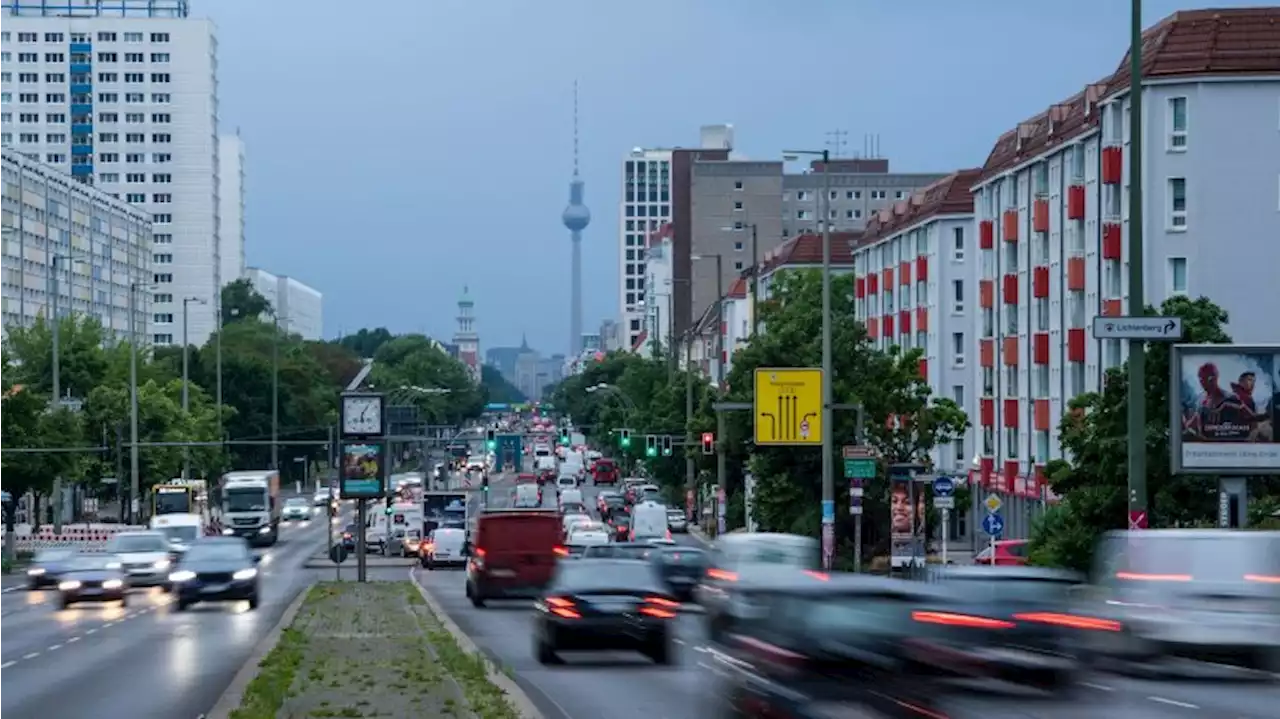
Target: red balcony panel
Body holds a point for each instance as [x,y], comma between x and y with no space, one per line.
[987,468]
[1075,344]
[922,268]
[986,235]
[1040,215]
[1111,308]
[1111,241]
[923,366]
[986,294]
[886,279]
[1112,165]
[987,412]
[1009,350]
[1042,416]
[922,319]
[873,283]
[1040,348]
[1075,274]
[904,273]
[987,352]
[904,322]
[1010,412]
[873,328]
[1010,476]
[1009,226]
[1075,202]
[1009,289]
[860,287]
[888,327]
[1040,282]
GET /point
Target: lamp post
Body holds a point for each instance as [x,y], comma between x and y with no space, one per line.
[1137,390]
[275,390]
[186,379]
[828,461]
[56,371]
[135,488]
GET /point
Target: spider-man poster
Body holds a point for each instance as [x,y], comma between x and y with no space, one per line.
[1229,399]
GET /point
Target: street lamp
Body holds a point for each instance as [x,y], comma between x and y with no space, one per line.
[135,487]
[828,462]
[186,378]
[719,315]
[275,388]
[613,390]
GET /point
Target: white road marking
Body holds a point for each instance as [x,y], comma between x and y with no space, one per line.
[31,655]
[6,665]
[55,647]
[73,639]
[91,631]
[1174,702]
[1101,687]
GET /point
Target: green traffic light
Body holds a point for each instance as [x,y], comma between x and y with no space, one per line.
[651,452]
[491,445]
[626,441]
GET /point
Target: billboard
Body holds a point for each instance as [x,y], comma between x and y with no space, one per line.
[906,521]
[1225,403]
[363,470]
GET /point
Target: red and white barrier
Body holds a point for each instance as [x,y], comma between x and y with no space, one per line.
[85,538]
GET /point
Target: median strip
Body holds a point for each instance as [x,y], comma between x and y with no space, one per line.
[370,650]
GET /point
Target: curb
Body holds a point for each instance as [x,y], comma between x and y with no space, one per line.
[520,701]
[698,535]
[231,698]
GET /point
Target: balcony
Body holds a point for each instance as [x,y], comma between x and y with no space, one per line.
[987,352]
[1111,242]
[987,412]
[1009,226]
[888,327]
[873,328]
[1010,412]
[1111,308]
[81,47]
[886,277]
[1040,215]
[82,128]
[923,367]
[1009,351]
[904,273]
[860,288]
[1075,274]
[81,170]
[81,88]
[82,149]
[922,319]
[904,322]
[873,283]
[81,109]
[922,269]
[1041,417]
[986,235]
[1112,165]
[1040,282]
[1075,202]
[986,294]
[1075,344]
[1040,348]
[79,68]
[1009,289]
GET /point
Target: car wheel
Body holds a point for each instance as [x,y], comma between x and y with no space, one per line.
[546,653]
[431,565]
[182,605]
[33,586]
[477,601]
[253,601]
[422,561]
[65,603]
[124,601]
[659,649]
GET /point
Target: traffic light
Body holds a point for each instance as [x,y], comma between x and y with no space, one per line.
[491,439]
[651,446]
[666,445]
[625,438]
[564,437]
[387,509]
[708,443]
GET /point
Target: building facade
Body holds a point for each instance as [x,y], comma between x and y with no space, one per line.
[100,247]
[657,303]
[298,306]
[466,337]
[231,192]
[856,190]
[124,96]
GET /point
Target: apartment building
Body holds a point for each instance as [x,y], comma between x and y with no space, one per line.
[299,307]
[658,305]
[856,189]
[231,192]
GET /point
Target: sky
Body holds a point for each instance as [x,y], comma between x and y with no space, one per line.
[399,150]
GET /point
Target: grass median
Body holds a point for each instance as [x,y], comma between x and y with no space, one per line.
[370,650]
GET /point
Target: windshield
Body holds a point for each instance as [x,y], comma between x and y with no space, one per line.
[173,500]
[245,499]
[781,553]
[129,543]
[53,555]
[217,552]
[295,502]
[92,562]
[182,535]
[684,555]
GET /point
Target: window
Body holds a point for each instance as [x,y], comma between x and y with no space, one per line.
[159,77]
[957,349]
[134,37]
[957,296]
[106,37]
[1177,203]
[161,98]
[29,97]
[737,184]
[832,194]
[159,37]
[1177,124]
[55,57]
[737,206]
[1011,442]
[957,244]
[957,394]
[108,157]
[878,194]
[55,77]
[55,97]
[108,77]
[162,318]
[802,215]
[802,195]
[134,157]
[1075,379]
[159,57]
[109,177]
[737,265]
[162,277]
[162,178]
[108,97]
[135,137]
[163,218]
[27,37]
[900,195]
[161,137]
[1077,162]
[133,77]
[135,197]
[133,97]
[133,57]
[28,57]
[162,339]
[162,198]
[1178,275]
[136,177]
[162,239]
[162,258]
[55,158]
[135,117]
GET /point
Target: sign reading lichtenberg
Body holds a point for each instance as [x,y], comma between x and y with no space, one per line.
[1225,407]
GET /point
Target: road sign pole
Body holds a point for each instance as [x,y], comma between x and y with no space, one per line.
[722,470]
[1137,390]
[361,531]
[946,529]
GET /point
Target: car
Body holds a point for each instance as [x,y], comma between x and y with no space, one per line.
[620,524]
[48,565]
[92,578]
[321,498]
[570,520]
[736,558]
[619,550]
[411,542]
[145,557]
[605,605]
[649,519]
[1007,553]
[444,546]
[583,535]
[680,567]
[296,509]
[513,554]
[349,536]
[604,471]
[603,498]
[216,569]
[677,521]
[566,481]
[567,508]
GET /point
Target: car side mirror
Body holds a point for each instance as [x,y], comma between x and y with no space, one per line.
[257,559]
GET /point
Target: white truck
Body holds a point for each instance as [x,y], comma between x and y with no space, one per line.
[251,506]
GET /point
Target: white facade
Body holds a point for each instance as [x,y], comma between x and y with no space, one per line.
[101,247]
[645,207]
[230,209]
[129,104]
[299,307]
[657,301]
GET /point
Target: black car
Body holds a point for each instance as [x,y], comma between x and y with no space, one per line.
[620,524]
[826,648]
[605,605]
[93,578]
[216,569]
[680,567]
[47,567]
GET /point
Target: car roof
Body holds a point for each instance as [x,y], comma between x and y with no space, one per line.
[986,571]
[807,582]
[140,533]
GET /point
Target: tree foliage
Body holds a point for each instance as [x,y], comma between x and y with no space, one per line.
[415,362]
[241,302]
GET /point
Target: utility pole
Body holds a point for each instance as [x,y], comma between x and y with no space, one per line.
[186,379]
[275,396]
[1137,295]
[57,382]
[828,445]
[755,279]
[689,477]
[218,350]
[135,483]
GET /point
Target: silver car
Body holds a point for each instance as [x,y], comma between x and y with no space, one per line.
[145,557]
[296,509]
[677,521]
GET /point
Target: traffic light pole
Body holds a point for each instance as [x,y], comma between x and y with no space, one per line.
[362,529]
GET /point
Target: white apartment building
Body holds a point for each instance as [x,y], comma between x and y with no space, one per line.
[657,307]
[100,247]
[1052,211]
[299,307]
[123,96]
[646,206]
[230,209]
[915,288]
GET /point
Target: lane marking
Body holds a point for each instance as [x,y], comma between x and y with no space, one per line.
[31,655]
[1101,687]
[91,631]
[55,647]
[73,639]
[1174,702]
[6,665]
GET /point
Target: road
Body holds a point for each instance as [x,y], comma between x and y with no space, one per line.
[145,661]
[628,686]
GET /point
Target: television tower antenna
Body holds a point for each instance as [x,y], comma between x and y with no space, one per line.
[836,142]
[575,128]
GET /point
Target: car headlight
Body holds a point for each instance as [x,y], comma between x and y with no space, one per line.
[35,571]
[264,530]
[112,584]
[228,531]
[244,574]
[113,565]
[69,585]
[182,575]
[162,564]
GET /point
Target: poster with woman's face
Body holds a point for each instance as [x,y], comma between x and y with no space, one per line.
[906,526]
[362,465]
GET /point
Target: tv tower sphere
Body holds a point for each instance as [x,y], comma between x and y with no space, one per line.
[576,217]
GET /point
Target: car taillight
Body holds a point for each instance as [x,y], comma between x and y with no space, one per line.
[660,607]
[562,607]
[1070,621]
[346,535]
[561,552]
[951,619]
[722,575]
[477,559]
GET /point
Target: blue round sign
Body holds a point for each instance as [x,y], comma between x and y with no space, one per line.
[944,487]
[993,524]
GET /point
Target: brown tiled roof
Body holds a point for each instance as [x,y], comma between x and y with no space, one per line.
[949,196]
[738,290]
[665,231]
[807,250]
[1236,41]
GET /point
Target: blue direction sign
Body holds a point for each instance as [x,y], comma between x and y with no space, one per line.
[993,524]
[944,487]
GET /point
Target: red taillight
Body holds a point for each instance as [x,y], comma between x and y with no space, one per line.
[820,576]
[562,607]
[1263,578]
[950,619]
[561,552]
[722,575]
[660,607]
[1137,577]
[1070,621]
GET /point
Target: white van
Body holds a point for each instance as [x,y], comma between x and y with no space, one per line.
[528,496]
[648,521]
[571,496]
[566,481]
[444,546]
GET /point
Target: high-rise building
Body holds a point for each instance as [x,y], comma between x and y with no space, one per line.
[100,247]
[298,306]
[123,95]
[856,189]
[466,338]
[230,208]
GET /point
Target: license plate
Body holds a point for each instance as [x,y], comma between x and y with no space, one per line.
[212,588]
[502,573]
[90,591]
[442,555]
[614,607]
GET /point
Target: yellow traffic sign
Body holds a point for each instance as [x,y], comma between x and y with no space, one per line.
[788,406]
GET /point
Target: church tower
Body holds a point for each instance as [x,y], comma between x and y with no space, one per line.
[465,338]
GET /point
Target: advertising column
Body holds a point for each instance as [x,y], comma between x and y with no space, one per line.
[907,530]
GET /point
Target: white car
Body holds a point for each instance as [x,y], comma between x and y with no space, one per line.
[676,520]
[321,498]
[566,481]
[144,557]
[296,509]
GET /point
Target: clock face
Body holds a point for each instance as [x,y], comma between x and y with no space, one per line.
[362,415]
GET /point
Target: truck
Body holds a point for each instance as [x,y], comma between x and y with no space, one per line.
[445,508]
[251,506]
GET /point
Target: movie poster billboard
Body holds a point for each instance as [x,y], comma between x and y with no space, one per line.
[906,522]
[363,470]
[1225,409]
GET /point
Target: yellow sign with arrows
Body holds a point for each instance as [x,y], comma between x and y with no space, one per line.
[788,406]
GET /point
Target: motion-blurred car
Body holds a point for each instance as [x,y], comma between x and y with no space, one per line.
[739,558]
[605,605]
[145,557]
[681,568]
[677,521]
[619,550]
[321,498]
[48,565]
[92,578]
[216,569]
[1004,553]
[296,509]
[620,524]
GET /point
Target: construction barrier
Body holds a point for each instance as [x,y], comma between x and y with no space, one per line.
[91,538]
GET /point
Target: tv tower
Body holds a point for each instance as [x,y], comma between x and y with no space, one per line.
[576,217]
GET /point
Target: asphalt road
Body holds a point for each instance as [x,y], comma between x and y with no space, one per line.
[145,661]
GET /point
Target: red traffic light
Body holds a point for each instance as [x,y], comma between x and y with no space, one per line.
[708,443]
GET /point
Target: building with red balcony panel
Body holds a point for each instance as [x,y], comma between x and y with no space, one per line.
[919,257]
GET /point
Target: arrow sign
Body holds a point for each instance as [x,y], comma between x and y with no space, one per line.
[1156,329]
[993,524]
[944,487]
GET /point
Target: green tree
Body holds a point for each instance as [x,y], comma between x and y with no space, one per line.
[82,362]
[366,342]
[495,388]
[241,302]
[1093,483]
[29,423]
[417,361]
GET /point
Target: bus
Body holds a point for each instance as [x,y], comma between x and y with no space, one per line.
[179,496]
